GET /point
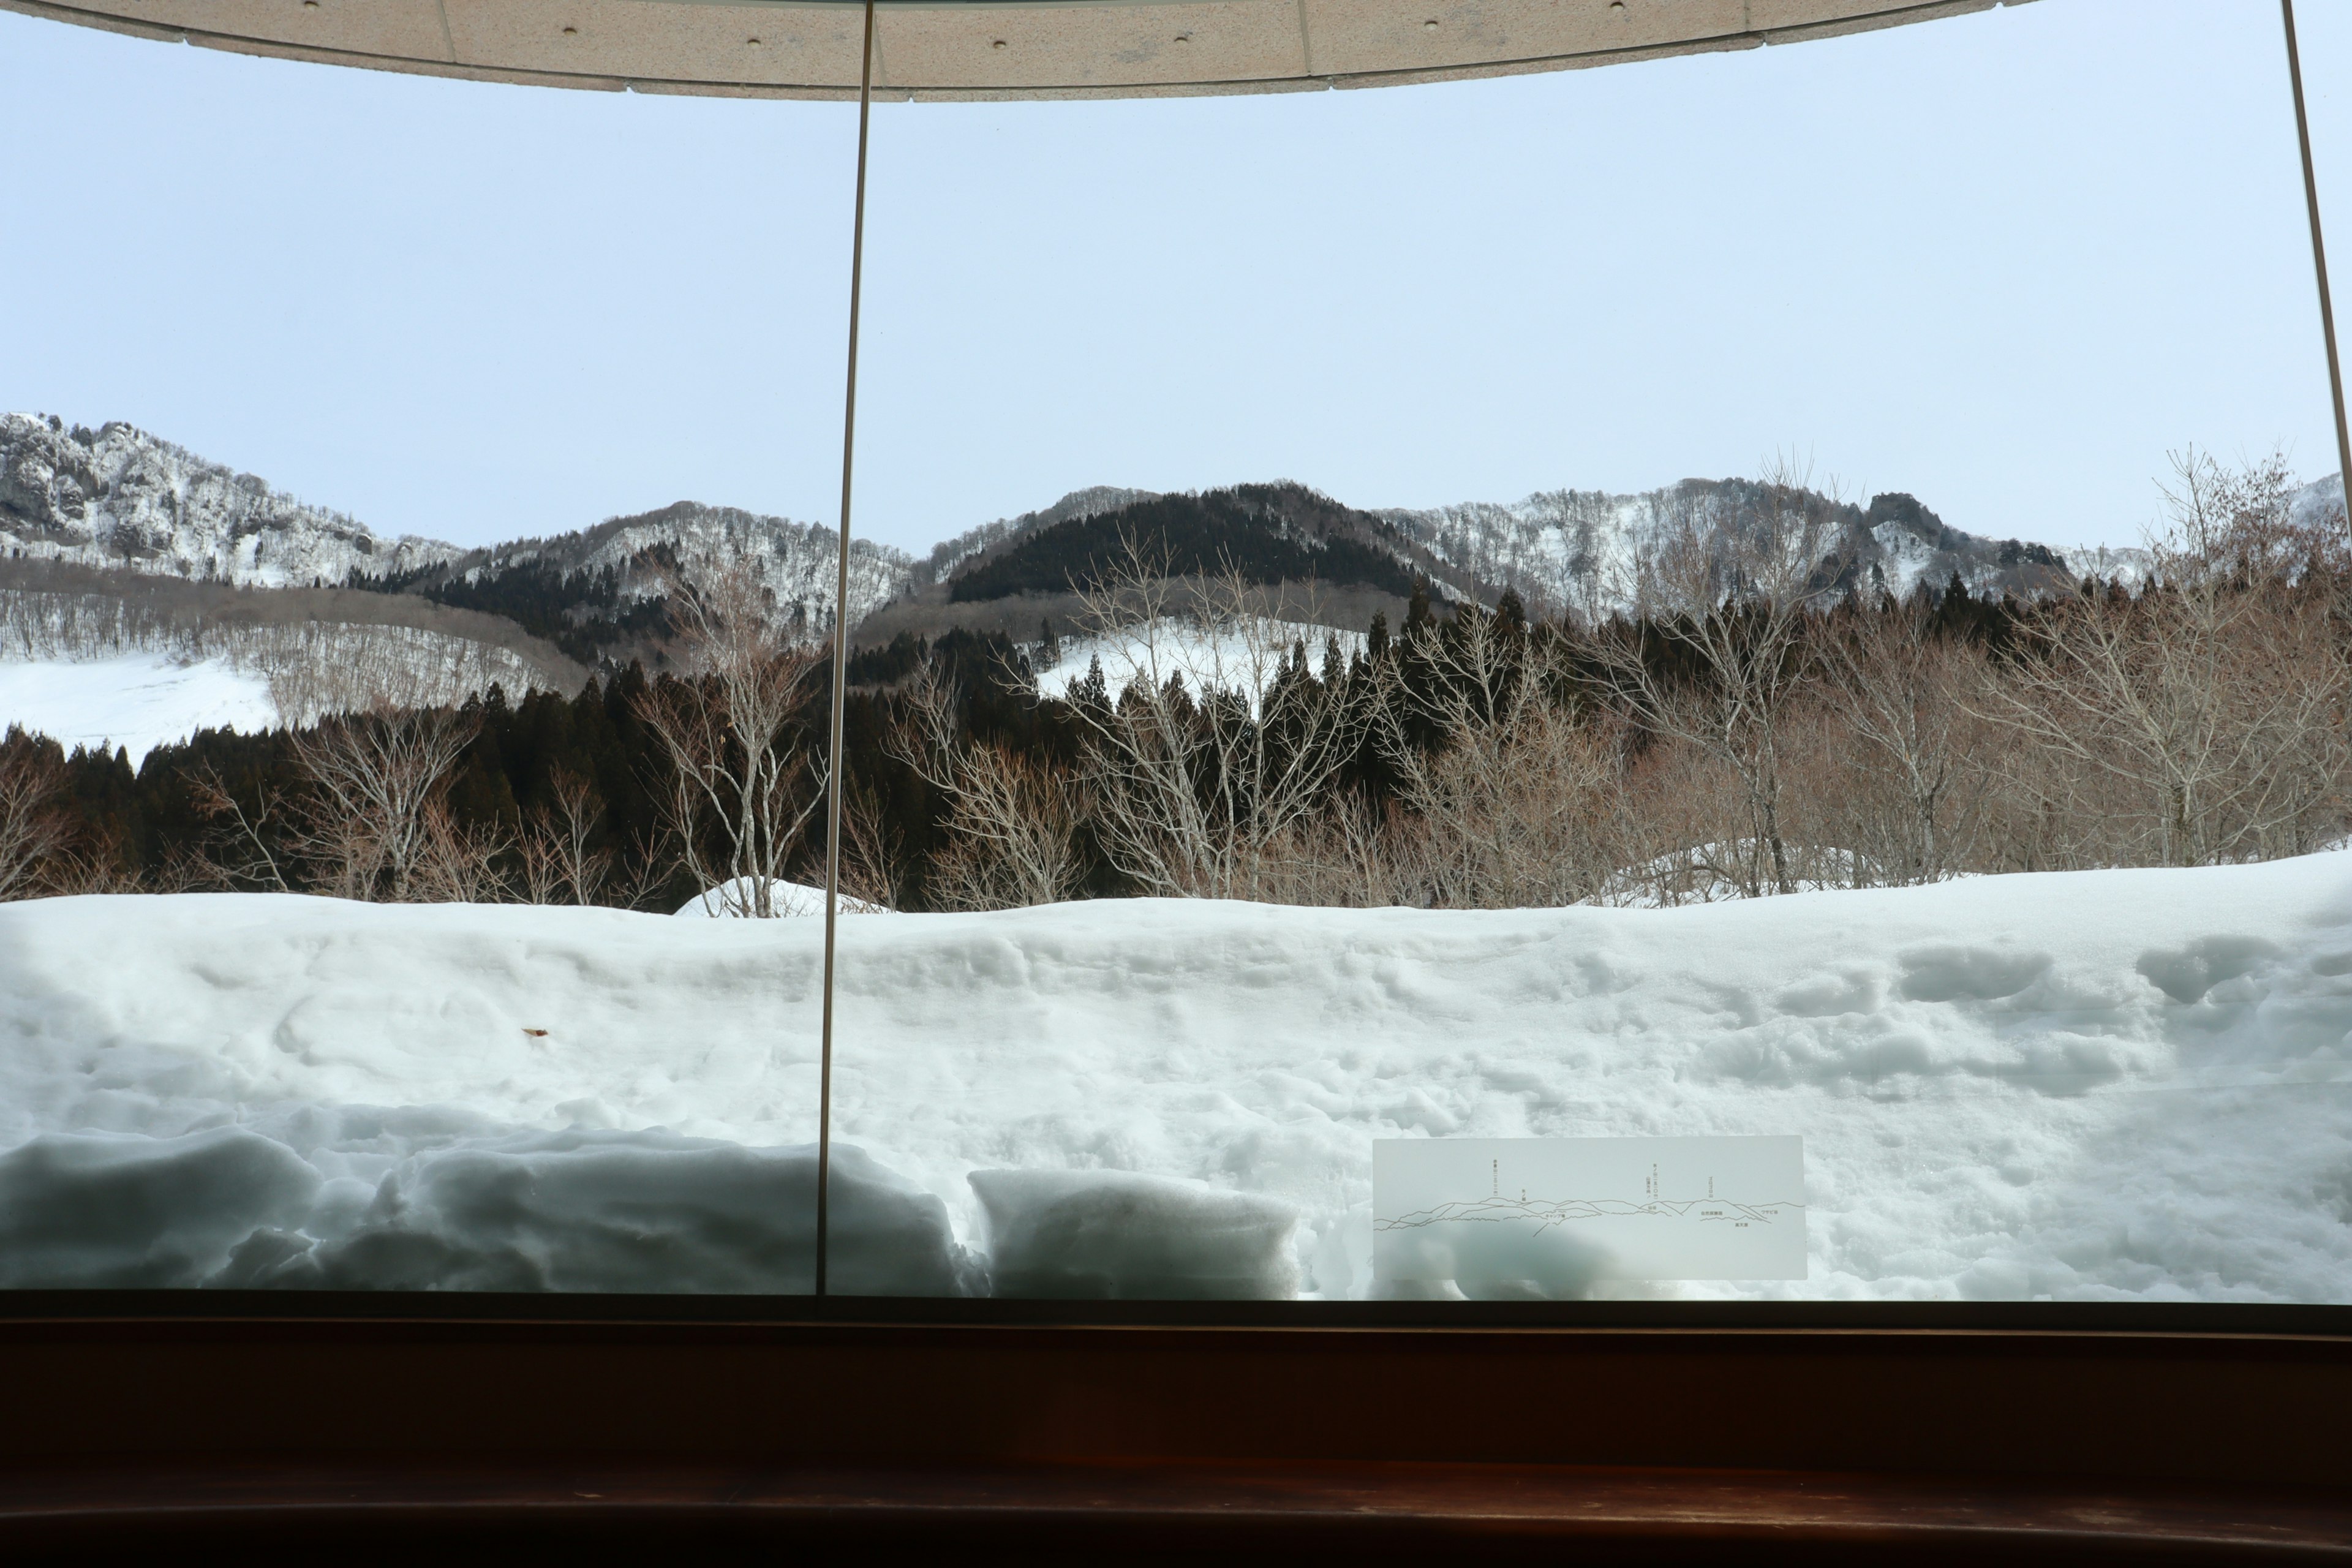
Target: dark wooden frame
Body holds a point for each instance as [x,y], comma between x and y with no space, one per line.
[141,1419]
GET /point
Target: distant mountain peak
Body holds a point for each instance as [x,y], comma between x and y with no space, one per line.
[1576,551]
[593,591]
[121,499]
[121,496]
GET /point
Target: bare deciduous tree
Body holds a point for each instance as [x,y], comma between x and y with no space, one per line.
[1013,822]
[241,853]
[1733,590]
[461,861]
[1910,794]
[1190,793]
[1516,806]
[2211,704]
[372,823]
[738,799]
[35,836]
[559,864]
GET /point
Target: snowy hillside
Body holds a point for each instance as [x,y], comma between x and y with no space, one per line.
[1244,658]
[120,499]
[118,496]
[604,571]
[951,554]
[152,661]
[136,701]
[1577,549]
[2100,1085]
[2319,500]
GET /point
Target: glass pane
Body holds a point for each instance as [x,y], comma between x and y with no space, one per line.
[1364,823]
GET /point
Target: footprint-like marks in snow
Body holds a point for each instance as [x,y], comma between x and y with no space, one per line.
[2185,975]
[1972,974]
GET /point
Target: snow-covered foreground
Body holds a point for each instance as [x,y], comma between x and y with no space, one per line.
[135,700]
[2089,1085]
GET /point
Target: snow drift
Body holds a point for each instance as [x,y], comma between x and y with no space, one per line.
[2096,1085]
[1111,1234]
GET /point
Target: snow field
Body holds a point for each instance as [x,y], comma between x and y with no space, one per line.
[1231,659]
[137,701]
[2093,1085]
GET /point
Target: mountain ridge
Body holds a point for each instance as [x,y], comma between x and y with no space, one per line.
[121,499]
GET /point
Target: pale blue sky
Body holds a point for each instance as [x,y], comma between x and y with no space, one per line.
[2003,261]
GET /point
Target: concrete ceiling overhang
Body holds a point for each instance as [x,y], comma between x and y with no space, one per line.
[983,49]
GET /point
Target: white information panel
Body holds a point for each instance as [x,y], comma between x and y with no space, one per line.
[1543,1215]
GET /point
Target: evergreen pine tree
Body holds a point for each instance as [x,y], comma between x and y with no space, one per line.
[1510,613]
[1416,610]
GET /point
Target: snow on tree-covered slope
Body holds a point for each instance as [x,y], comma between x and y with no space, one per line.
[1577,549]
[951,554]
[120,496]
[2318,501]
[2085,1086]
[796,561]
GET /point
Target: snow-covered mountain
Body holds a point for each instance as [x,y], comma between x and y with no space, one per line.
[2317,502]
[592,590]
[118,496]
[121,499]
[950,555]
[1577,549]
[1561,550]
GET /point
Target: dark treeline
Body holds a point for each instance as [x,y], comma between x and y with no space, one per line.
[1216,531]
[162,825]
[155,827]
[582,612]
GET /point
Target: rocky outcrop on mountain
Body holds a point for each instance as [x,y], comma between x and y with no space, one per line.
[118,496]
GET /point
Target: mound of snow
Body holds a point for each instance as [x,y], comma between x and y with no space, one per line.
[2095,1084]
[1491,1263]
[733,900]
[621,1212]
[137,701]
[1108,1234]
[116,1210]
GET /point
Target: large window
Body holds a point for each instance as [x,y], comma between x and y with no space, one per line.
[1723,677]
